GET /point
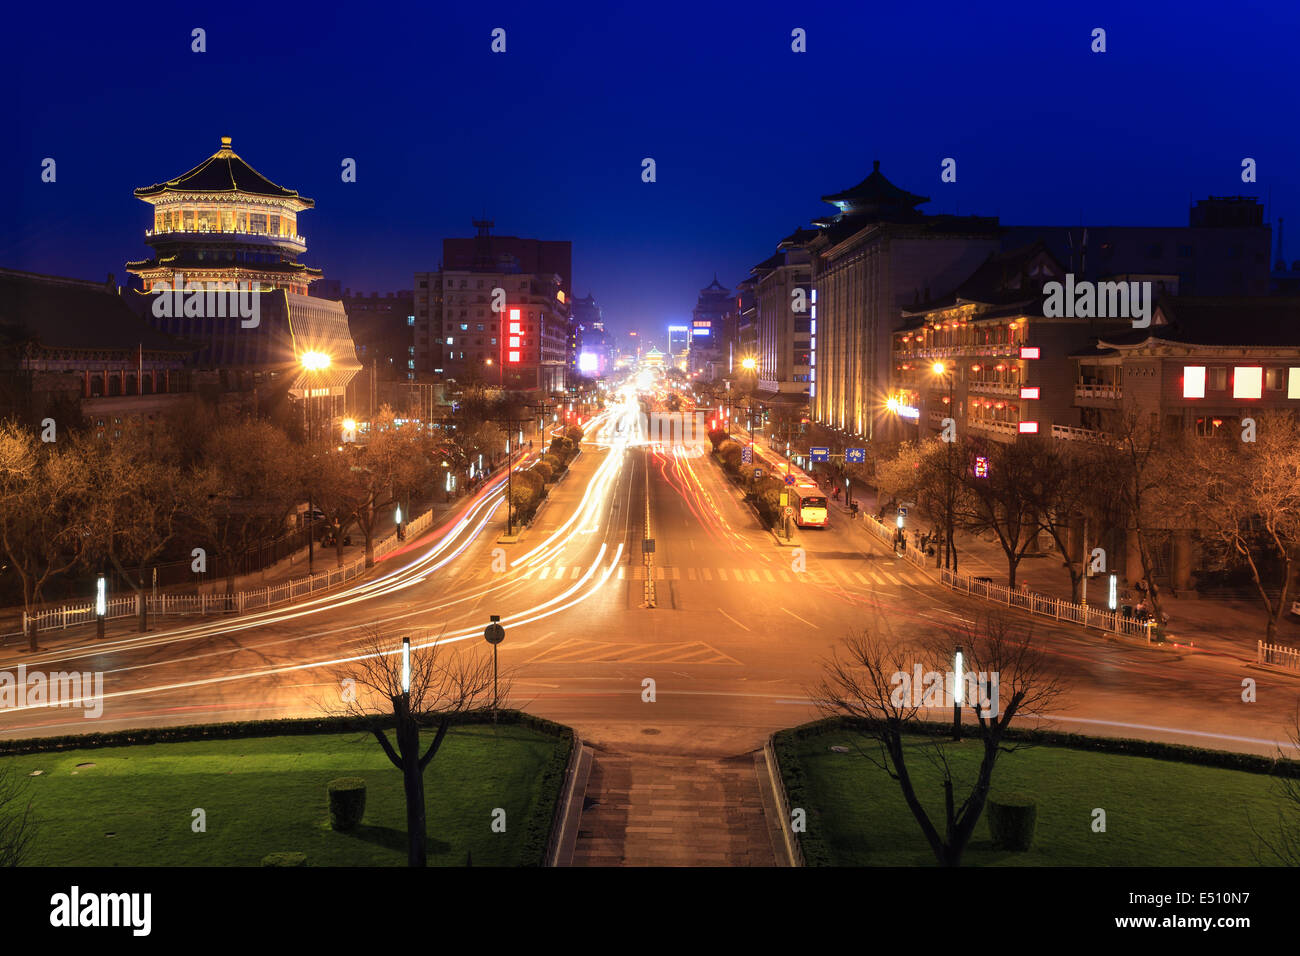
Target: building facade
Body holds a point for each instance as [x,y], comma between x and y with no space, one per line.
[877,254]
[783,321]
[708,351]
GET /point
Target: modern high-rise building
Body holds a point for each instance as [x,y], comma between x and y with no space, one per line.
[225,274]
[590,348]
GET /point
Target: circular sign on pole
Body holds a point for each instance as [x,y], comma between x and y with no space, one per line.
[494,633]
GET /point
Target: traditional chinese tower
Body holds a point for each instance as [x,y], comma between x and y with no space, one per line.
[223,221]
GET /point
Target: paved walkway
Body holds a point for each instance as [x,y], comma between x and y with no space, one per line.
[659,810]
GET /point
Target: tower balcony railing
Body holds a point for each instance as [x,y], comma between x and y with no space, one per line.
[990,350]
[218,233]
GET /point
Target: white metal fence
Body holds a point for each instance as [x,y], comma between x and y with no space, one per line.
[1279,655]
[1044,605]
[235,602]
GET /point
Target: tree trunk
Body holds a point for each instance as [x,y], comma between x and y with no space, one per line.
[408,745]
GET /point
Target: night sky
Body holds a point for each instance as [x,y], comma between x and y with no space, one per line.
[548,138]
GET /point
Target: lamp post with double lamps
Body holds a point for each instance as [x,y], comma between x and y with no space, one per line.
[312,363]
[949,557]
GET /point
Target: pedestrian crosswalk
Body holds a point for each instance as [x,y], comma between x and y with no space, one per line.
[896,576]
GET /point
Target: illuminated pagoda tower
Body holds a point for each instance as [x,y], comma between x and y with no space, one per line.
[223,225]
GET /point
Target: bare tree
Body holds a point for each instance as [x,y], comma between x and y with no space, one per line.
[17,825]
[870,681]
[1247,494]
[444,680]
[43,512]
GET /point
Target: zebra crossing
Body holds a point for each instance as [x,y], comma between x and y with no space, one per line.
[866,578]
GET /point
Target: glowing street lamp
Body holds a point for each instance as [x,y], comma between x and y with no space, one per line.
[958,693]
[101,605]
[406,666]
[398,518]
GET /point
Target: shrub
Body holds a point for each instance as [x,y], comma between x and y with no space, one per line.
[717,437]
[574,434]
[562,448]
[729,453]
[555,462]
[285,858]
[545,470]
[1011,821]
[347,798]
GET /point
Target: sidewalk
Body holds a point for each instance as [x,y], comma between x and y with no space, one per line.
[1229,627]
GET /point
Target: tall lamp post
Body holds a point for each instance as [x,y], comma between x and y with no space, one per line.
[949,558]
[312,362]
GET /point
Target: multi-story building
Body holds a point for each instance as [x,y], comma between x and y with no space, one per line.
[70,347]
[1222,251]
[708,357]
[522,347]
[592,347]
[877,254]
[679,346]
[224,226]
[985,355]
[488,253]
[783,301]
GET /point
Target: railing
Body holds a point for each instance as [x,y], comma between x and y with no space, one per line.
[1278,655]
[1044,605]
[1001,428]
[238,602]
[150,233]
[994,388]
[1070,433]
[1111,392]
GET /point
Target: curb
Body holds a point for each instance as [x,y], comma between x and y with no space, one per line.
[565,839]
[789,842]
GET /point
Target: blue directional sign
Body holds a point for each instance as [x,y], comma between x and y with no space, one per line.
[789,480]
[855,455]
[747,454]
[758,472]
[819,454]
[902,512]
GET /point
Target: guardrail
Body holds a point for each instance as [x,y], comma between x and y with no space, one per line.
[1044,605]
[1278,655]
[227,602]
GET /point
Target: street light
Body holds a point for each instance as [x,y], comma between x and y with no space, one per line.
[406,666]
[400,536]
[101,605]
[957,694]
[949,557]
[312,362]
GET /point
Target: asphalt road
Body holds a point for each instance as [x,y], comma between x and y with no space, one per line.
[735,642]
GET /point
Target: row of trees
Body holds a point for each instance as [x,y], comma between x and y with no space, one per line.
[528,488]
[82,505]
[1243,495]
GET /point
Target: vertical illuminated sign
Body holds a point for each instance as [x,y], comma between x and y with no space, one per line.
[515,340]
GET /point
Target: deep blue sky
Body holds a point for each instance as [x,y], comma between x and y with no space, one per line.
[548,138]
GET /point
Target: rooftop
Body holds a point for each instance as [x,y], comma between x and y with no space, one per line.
[224,172]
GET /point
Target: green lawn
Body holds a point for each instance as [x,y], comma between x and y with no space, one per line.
[134,806]
[1158,813]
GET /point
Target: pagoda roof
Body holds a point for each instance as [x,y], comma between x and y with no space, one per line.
[716,286]
[875,194]
[224,172]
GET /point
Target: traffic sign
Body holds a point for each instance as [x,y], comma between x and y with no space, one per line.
[789,480]
[648,546]
[902,512]
[855,455]
[747,455]
[819,454]
[494,633]
[785,499]
[758,472]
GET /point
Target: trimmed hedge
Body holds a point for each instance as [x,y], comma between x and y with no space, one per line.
[1179,753]
[283,727]
[285,858]
[1011,821]
[347,802]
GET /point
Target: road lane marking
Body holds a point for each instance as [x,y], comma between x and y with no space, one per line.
[620,572]
[690,574]
[544,574]
[708,575]
[891,578]
[861,578]
[730,618]
[771,577]
[576,572]
[798,618]
[722,574]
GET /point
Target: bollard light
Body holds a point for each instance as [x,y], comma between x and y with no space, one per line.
[101,596]
[1114,592]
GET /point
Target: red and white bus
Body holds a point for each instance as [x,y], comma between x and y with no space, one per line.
[809,504]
